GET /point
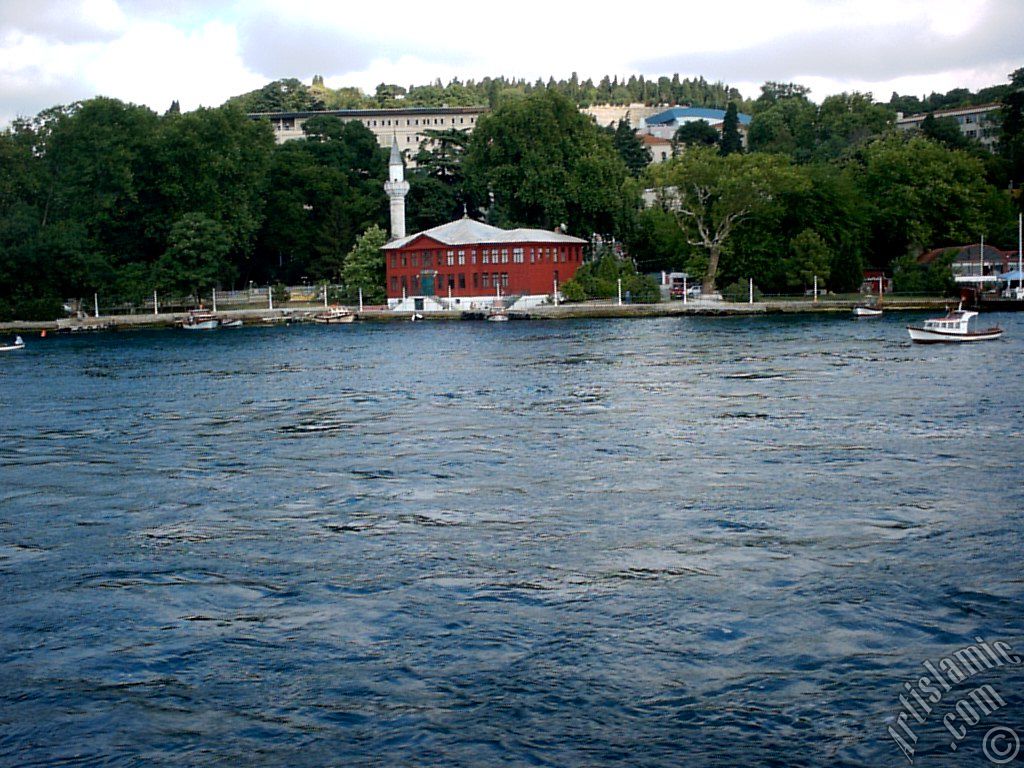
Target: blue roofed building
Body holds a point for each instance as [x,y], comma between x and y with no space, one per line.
[665,124]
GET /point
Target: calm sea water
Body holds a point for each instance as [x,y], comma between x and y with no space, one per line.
[649,542]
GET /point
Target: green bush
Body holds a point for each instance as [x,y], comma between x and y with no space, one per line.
[740,291]
[47,308]
[599,280]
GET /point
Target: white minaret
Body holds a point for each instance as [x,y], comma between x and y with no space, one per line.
[397,188]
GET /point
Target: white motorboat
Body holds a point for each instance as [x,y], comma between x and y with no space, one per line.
[235,322]
[19,343]
[864,310]
[954,327]
[498,316]
[200,320]
[334,315]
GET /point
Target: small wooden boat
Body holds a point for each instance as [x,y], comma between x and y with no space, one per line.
[200,320]
[498,316]
[19,343]
[335,315]
[235,322]
[953,328]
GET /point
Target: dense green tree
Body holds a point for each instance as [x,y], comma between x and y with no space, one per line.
[196,259]
[1011,139]
[785,126]
[945,130]
[921,195]
[631,148]
[848,120]
[809,258]
[546,165]
[696,133]
[711,195]
[364,267]
[731,139]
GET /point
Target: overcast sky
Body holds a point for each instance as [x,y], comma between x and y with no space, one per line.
[201,52]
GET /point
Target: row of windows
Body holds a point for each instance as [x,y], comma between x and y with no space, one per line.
[443,282]
[487,256]
[393,122]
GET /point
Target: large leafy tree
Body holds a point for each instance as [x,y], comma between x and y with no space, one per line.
[323,192]
[364,267]
[711,195]
[196,259]
[546,164]
[921,195]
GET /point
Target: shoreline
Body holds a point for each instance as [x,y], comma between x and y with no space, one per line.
[583,310]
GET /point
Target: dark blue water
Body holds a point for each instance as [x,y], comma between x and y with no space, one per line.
[650,542]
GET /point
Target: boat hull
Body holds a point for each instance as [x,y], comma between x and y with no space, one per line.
[866,312]
[929,336]
[205,325]
[335,320]
[11,347]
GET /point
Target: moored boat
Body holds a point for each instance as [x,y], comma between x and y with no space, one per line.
[334,315]
[865,310]
[235,322]
[19,343]
[498,316]
[200,320]
[953,328]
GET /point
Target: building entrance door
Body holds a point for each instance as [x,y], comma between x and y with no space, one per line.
[427,282]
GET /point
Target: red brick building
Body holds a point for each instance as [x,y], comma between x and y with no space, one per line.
[467,258]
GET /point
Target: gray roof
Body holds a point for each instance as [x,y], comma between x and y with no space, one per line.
[466,231]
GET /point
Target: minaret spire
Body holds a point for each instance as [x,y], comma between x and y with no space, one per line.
[397,188]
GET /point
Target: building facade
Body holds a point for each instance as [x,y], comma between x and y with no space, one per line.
[405,126]
[473,263]
[980,123]
[664,124]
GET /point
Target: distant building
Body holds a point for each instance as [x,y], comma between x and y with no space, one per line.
[407,125]
[665,124]
[661,149]
[467,264]
[474,263]
[981,122]
[610,114]
[971,265]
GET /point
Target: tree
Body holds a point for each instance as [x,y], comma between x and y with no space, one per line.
[711,194]
[365,269]
[1011,139]
[196,257]
[785,126]
[546,164]
[599,279]
[631,148]
[731,139]
[848,120]
[696,133]
[921,195]
[809,258]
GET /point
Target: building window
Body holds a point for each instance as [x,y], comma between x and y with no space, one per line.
[450,260]
[415,283]
[533,256]
[405,284]
[486,280]
[504,279]
[485,256]
[394,284]
[504,255]
[494,279]
[517,256]
[428,259]
[462,281]
[476,280]
[414,259]
[403,259]
[462,258]
[472,256]
[394,260]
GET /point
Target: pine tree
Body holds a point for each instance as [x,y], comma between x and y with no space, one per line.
[731,139]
